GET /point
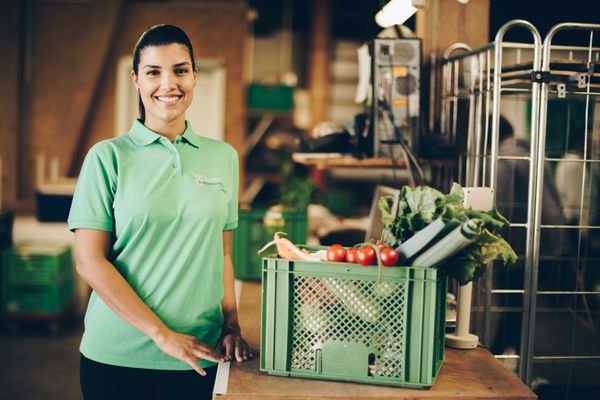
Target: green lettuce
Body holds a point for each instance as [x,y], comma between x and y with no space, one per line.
[420,206]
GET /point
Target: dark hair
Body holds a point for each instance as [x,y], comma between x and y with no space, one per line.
[159,35]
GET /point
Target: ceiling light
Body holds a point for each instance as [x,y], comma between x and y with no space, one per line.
[396,12]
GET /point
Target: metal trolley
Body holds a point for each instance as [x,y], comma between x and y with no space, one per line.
[523,116]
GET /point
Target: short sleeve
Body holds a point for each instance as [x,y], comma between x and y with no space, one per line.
[232,208]
[92,206]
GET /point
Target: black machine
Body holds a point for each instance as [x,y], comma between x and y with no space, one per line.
[393,124]
[395,106]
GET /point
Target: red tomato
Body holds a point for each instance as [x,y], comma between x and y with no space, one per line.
[336,253]
[388,256]
[365,256]
[351,256]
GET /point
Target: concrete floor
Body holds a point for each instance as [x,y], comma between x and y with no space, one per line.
[36,364]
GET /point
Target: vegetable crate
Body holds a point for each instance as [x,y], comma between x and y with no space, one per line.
[337,321]
[254,230]
[37,278]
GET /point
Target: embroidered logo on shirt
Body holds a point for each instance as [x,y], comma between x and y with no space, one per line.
[202,180]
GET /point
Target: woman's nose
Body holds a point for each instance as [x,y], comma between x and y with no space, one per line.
[168,80]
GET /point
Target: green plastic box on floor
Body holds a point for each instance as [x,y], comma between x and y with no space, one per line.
[37,277]
[337,321]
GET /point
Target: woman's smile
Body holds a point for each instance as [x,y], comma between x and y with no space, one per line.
[169,100]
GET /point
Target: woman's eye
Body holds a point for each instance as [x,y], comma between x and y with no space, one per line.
[182,71]
[152,73]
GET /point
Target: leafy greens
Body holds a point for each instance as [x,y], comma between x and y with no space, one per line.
[420,206]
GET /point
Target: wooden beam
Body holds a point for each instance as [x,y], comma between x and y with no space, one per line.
[318,70]
[445,22]
[11,23]
[106,24]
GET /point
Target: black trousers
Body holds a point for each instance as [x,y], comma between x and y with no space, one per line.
[109,382]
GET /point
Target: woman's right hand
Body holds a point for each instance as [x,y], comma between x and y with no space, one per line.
[187,348]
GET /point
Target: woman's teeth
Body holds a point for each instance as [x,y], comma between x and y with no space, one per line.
[168,100]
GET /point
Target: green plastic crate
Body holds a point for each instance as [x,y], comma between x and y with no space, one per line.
[252,234]
[336,321]
[272,97]
[37,262]
[48,300]
[37,278]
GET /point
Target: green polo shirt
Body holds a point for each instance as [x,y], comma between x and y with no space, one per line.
[167,205]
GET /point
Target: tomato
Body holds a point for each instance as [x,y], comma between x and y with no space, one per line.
[388,256]
[365,256]
[351,256]
[336,253]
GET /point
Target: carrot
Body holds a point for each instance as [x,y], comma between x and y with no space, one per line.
[286,249]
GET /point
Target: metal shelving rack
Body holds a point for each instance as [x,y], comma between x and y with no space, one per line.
[532,84]
[574,297]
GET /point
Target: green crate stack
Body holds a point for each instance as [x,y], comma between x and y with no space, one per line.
[252,233]
[337,321]
[38,299]
[37,278]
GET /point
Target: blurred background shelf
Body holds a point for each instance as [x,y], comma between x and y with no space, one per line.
[343,161]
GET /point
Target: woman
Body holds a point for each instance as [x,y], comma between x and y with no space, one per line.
[152,215]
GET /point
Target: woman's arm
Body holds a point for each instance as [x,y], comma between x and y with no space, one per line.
[231,338]
[91,249]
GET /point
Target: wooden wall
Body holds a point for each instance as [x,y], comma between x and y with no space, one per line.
[66,76]
[10,99]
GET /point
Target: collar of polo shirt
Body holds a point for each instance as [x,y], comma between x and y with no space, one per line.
[143,135]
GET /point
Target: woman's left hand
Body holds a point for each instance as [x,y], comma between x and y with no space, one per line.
[234,346]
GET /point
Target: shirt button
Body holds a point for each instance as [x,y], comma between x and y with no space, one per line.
[174,165]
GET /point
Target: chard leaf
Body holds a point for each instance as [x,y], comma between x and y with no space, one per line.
[460,267]
[492,219]
[385,205]
[494,213]
[456,190]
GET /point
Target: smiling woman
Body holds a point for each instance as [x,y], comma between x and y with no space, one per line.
[154,243]
[164,73]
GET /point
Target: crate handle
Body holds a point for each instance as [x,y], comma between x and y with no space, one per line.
[319,361]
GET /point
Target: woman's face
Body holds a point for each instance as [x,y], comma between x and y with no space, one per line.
[165,80]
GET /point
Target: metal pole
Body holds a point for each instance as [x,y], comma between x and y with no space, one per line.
[532,167]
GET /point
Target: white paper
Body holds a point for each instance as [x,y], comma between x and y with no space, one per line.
[222,379]
[364,74]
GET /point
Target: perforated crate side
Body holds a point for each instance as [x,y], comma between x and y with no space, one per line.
[335,321]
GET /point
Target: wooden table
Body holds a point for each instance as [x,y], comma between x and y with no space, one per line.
[465,374]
